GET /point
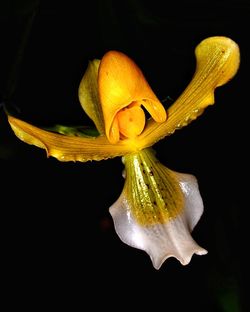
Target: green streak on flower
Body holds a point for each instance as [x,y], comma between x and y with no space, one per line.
[152,189]
[158,219]
[80,131]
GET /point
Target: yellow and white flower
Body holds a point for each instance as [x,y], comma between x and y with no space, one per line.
[158,207]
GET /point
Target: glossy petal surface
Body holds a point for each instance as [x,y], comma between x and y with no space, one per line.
[161,221]
[120,83]
[88,95]
[68,147]
[218,60]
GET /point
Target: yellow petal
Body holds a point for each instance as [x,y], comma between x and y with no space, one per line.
[69,148]
[157,111]
[88,95]
[120,83]
[218,60]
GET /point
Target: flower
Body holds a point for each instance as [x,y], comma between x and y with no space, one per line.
[158,207]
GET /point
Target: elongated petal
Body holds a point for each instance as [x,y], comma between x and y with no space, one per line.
[88,95]
[157,210]
[218,60]
[69,148]
[121,83]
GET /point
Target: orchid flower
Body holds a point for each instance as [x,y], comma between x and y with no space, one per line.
[158,207]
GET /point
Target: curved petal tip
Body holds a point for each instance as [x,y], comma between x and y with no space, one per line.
[122,85]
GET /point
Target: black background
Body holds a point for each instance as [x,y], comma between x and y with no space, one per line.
[57,235]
